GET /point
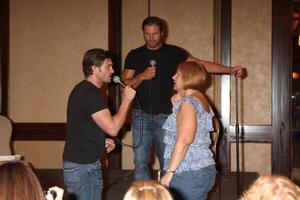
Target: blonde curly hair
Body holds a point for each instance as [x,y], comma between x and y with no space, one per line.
[272,187]
[147,190]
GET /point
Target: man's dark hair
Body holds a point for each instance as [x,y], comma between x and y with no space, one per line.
[93,57]
[153,21]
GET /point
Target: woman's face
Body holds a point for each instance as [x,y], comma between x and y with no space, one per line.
[177,81]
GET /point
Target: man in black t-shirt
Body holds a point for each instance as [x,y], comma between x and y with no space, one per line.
[149,69]
[88,122]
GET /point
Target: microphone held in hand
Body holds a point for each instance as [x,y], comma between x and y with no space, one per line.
[117,80]
[152,62]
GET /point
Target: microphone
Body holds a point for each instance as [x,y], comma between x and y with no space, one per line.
[117,80]
[152,62]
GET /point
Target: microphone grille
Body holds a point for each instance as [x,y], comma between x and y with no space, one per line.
[116,79]
[152,62]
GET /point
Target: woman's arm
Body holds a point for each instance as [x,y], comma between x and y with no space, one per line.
[186,131]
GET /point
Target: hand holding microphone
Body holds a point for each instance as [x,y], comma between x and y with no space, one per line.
[150,72]
[129,92]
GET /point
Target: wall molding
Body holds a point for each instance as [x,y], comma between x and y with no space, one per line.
[39,131]
[56,132]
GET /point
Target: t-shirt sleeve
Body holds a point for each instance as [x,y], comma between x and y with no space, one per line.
[181,54]
[129,61]
[95,101]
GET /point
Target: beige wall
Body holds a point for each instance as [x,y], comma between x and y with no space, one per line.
[42,154]
[47,42]
[251,47]
[254,157]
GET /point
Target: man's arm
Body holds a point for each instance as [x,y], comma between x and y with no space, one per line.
[112,124]
[218,68]
[128,76]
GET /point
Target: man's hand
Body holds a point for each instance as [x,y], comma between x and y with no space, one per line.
[149,73]
[129,93]
[237,71]
[109,145]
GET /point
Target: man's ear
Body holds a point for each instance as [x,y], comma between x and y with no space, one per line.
[93,67]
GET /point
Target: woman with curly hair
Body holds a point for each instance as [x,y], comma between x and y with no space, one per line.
[273,187]
[147,190]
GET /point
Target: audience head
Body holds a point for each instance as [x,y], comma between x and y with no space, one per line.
[193,75]
[273,187]
[94,57]
[18,182]
[147,190]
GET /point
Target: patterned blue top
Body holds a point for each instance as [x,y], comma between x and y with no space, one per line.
[198,154]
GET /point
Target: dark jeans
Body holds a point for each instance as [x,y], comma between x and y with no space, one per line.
[193,185]
[83,181]
[151,131]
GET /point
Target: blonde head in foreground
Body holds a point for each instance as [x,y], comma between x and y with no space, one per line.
[147,190]
[272,187]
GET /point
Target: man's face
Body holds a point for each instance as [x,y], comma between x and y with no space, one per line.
[152,36]
[105,71]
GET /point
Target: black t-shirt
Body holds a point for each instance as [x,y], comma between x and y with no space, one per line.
[84,138]
[155,94]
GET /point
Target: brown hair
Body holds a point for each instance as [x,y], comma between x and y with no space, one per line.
[272,187]
[18,182]
[193,75]
[147,190]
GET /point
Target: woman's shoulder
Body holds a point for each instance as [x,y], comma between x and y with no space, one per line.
[198,103]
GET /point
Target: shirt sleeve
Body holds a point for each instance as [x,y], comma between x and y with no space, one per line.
[95,101]
[181,54]
[129,61]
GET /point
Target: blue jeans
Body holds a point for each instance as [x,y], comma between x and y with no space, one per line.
[83,181]
[145,129]
[193,185]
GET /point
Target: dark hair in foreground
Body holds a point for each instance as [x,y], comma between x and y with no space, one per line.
[18,182]
[152,21]
[94,57]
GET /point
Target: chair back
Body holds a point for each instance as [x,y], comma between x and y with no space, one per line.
[215,136]
[5,135]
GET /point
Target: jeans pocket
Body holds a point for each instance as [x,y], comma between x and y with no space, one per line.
[71,175]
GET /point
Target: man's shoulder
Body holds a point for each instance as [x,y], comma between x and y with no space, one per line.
[138,49]
[85,87]
[171,46]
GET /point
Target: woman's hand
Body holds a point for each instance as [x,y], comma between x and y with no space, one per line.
[176,97]
[109,145]
[59,192]
[166,179]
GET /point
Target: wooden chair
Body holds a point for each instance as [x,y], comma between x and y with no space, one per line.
[5,135]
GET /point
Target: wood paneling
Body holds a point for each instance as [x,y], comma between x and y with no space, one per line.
[39,131]
[281,78]
[4,55]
